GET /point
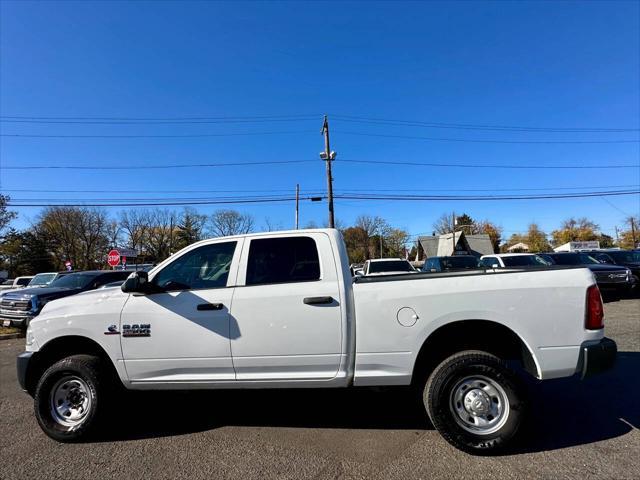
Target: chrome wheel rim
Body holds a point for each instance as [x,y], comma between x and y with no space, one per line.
[479,405]
[70,401]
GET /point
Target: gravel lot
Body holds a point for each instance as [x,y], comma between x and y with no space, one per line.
[578,430]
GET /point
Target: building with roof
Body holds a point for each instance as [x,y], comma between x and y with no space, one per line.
[518,247]
[456,244]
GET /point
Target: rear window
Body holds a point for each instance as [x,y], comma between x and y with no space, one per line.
[390,266]
[460,262]
[282,260]
[523,260]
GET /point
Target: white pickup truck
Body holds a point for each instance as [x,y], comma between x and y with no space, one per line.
[281,310]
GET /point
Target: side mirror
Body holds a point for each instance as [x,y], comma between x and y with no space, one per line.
[137,282]
[495,265]
[433,270]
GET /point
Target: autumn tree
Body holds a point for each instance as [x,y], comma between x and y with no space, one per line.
[575,230]
[630,236]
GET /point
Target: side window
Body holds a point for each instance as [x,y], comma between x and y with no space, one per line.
[204,267]
[282,260]
[490,262]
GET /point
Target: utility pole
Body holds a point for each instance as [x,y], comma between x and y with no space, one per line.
[328,156]
[617,238]
[633,231]
[380,234]
[297,203]
[453,233]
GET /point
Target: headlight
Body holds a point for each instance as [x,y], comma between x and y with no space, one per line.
[30,339]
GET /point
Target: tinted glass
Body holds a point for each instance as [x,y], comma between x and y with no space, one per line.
[23,281]
[42,279]
[280,260]
[573,259]
[74,280]
[489,262]
[625,257]
[523,261]
[460,262]
[390,266]
[203,267]
[112,277]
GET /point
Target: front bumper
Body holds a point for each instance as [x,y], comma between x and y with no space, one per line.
[598,357]
[22,363]
[16,319]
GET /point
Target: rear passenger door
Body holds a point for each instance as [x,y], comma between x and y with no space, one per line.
[287,309]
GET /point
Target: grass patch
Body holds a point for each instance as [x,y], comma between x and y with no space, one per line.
[5,330]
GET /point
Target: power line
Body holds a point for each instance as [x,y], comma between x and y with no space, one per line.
[371,196]
[195,135]
[345,190]
[486,197]
[152,167]
[475,165]
[470,126]
[276,162]
[267,118]
[162,119]
[467,140]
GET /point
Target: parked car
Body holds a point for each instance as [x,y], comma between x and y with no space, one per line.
[387,266]
[624,258]
[610,278]
[293,323]
[20,307]
[13,284]
[507,260]
[449,264]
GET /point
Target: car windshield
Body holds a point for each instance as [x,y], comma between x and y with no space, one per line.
[390,266]
[460,262]
[574,259]
[523,260]
[75,280]
[625,257]
[42,279]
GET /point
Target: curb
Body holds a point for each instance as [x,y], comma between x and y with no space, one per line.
[11,336]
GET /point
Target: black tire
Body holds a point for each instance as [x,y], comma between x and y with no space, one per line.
[85,370]
[452,377]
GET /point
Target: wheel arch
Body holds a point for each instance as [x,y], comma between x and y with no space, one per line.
[60,347]
[486,335]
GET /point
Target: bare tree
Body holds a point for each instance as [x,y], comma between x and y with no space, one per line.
[230,222]
[136,224]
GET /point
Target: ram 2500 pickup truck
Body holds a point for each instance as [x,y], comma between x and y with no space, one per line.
[281,310]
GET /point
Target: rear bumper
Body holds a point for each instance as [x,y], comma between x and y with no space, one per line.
[597,357]
[22,363]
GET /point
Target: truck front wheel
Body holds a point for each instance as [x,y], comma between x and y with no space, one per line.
[474,401]
[68,398]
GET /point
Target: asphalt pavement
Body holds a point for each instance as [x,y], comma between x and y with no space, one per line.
[578,429]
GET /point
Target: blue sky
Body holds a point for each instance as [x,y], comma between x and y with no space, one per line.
[532,64]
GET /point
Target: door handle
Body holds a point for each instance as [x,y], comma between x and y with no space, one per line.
[317,300]
[210,306]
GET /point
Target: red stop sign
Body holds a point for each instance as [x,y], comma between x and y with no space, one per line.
[113,258]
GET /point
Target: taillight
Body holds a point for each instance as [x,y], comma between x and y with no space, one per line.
[595,311]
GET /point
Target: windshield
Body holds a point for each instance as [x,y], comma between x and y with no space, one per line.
[75,280]
[523,260]
[625,257]
[390,266]
[460,262]
[42,279]
[574,259]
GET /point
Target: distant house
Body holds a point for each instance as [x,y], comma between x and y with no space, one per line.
[577,246]
[446,245]
[518,247]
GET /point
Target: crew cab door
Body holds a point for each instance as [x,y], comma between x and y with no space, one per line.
[287,309]
[181,332]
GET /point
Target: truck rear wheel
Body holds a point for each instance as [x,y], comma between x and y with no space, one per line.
[475,402]
[68,398]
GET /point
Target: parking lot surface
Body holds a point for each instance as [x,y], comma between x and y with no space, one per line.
[578,429]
